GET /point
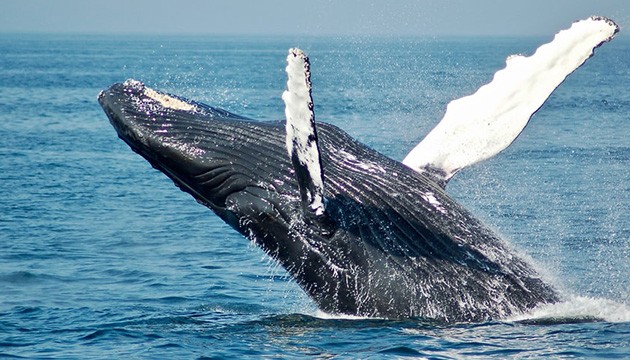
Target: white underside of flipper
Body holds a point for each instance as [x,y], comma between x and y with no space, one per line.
[301,136]
[479,126]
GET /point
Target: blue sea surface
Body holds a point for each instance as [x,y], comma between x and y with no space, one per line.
[102,257]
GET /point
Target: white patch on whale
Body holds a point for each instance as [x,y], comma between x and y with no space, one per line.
[165,100]
[300,124]
[479,126]
[431,199]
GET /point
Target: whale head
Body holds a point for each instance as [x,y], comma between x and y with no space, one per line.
[208,152]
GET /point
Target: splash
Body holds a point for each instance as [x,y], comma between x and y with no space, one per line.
[326,316]
[579,308]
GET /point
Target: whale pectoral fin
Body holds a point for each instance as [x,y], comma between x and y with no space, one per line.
[301,135]
[479,126]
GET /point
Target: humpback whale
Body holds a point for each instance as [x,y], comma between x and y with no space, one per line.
[361,233]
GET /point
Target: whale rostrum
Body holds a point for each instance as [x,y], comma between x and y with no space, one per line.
[362,234]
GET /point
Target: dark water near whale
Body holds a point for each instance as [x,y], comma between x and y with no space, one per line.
[102,257]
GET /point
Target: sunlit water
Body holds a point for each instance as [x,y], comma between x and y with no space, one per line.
[102,257]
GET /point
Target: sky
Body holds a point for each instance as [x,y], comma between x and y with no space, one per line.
[315,17]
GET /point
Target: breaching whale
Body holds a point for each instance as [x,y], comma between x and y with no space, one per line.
[361,233]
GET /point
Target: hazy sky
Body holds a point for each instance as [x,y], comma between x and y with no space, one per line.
[317,17]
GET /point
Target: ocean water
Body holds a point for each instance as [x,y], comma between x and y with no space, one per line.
[102,257]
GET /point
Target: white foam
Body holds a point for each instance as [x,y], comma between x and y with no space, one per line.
[327,316]
[579,307]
